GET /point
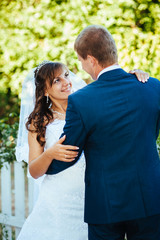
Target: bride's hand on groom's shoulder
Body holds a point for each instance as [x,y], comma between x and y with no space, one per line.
[65,153]
[141,76]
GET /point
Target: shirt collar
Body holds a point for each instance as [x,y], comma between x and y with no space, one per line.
[113,67]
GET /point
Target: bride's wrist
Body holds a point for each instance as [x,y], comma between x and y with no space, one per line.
[49,155]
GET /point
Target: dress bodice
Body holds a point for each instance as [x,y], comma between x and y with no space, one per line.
[53,132]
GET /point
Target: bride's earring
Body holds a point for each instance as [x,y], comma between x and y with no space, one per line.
[47,98]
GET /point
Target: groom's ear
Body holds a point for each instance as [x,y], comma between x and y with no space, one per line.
[92,60]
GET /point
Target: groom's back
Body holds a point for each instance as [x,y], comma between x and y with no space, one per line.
[121,116]
[121,111]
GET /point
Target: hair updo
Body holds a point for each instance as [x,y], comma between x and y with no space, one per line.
[42,115]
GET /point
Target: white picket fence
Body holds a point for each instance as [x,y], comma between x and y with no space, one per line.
[16,198]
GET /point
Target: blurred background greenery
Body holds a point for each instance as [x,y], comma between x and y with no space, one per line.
[35,30]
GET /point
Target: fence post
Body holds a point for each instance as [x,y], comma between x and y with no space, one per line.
[19,183]
[6,195]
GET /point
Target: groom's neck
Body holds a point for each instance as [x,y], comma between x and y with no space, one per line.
[99,68]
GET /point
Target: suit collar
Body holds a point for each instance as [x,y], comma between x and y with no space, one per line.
[113,74]
[113,67]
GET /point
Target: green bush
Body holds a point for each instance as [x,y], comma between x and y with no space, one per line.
[35,30]
[8,135]
[3,232]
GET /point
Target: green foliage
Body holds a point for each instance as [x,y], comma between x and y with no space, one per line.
[8,103]
[3,232]
[35,30]
[8,134]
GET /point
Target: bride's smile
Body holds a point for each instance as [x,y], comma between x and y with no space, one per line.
[61,86]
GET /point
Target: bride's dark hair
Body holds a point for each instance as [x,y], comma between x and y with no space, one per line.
[42,115]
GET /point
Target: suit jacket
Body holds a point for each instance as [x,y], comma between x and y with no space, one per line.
[115,121]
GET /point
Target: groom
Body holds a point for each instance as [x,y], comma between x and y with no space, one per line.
[115,121]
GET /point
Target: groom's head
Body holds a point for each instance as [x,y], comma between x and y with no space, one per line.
[96,49]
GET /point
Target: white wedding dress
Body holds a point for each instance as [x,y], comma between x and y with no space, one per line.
[59,210]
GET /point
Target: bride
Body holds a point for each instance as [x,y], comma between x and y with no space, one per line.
[58,212]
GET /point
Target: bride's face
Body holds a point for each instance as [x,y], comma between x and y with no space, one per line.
[61,87]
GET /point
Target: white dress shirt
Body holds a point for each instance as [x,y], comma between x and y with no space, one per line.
[113,67]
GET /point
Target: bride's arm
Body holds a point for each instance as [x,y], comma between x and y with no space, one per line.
[39,160]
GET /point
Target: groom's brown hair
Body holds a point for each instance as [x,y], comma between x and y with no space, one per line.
[96,41]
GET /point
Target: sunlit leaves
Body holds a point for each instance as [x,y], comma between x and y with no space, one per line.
[34,30]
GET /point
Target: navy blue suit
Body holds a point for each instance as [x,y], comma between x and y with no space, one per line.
[116,121]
